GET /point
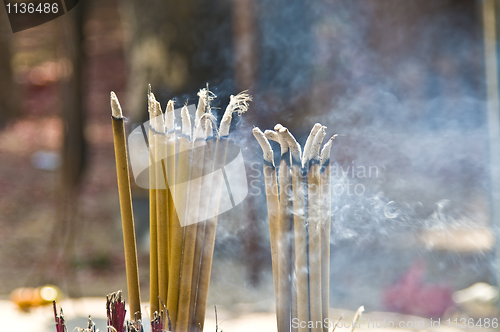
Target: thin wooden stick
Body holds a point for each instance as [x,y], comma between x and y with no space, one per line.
[125,196]
[284,233]
[153,237]
[314,231]
[300,232]
[272,198]
[325,225]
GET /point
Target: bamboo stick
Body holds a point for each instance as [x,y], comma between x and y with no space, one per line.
[314,232]
[153,235]
[325,224]
[125,197]
[237,104]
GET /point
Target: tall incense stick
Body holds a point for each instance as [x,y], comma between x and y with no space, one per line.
[153,244]
[284,233]
[125,196]
[188,257]
[314,231]
[272,197]
[181,191]
[160,146]
[325,224]
[300,232]
[237,104]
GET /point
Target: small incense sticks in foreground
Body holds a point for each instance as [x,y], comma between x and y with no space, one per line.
[301,265]
[60,324]
[122,172]
[115,311]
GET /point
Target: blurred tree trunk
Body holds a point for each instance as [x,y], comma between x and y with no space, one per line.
[9,98]
[176,46]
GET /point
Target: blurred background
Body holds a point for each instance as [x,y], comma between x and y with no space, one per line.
[403,83]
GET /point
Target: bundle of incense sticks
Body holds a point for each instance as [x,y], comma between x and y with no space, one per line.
[184,199]
[299,211]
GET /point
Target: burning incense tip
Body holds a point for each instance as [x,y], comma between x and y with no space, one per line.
[116,109]
[264,144]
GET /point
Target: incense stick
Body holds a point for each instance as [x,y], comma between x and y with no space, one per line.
[203,209]
[125,197]
[175,229]
[325,224]
[284,232]
[300,232]
[272,198]
[159,146]
[314,230]
[238,104]
[181,191]
[188,257]
[153,235]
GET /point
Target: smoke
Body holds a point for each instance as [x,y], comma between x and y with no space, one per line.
[402,85]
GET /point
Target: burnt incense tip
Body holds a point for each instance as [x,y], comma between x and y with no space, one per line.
[271,135]
[282,138]
[295,148]
[209,131]
[264,144]
[325,152]
[237,104]
[170,115]
[316,144]
[116,110]
[310,139]
[186,122]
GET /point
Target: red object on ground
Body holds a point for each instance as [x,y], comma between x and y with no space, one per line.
[411,296]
